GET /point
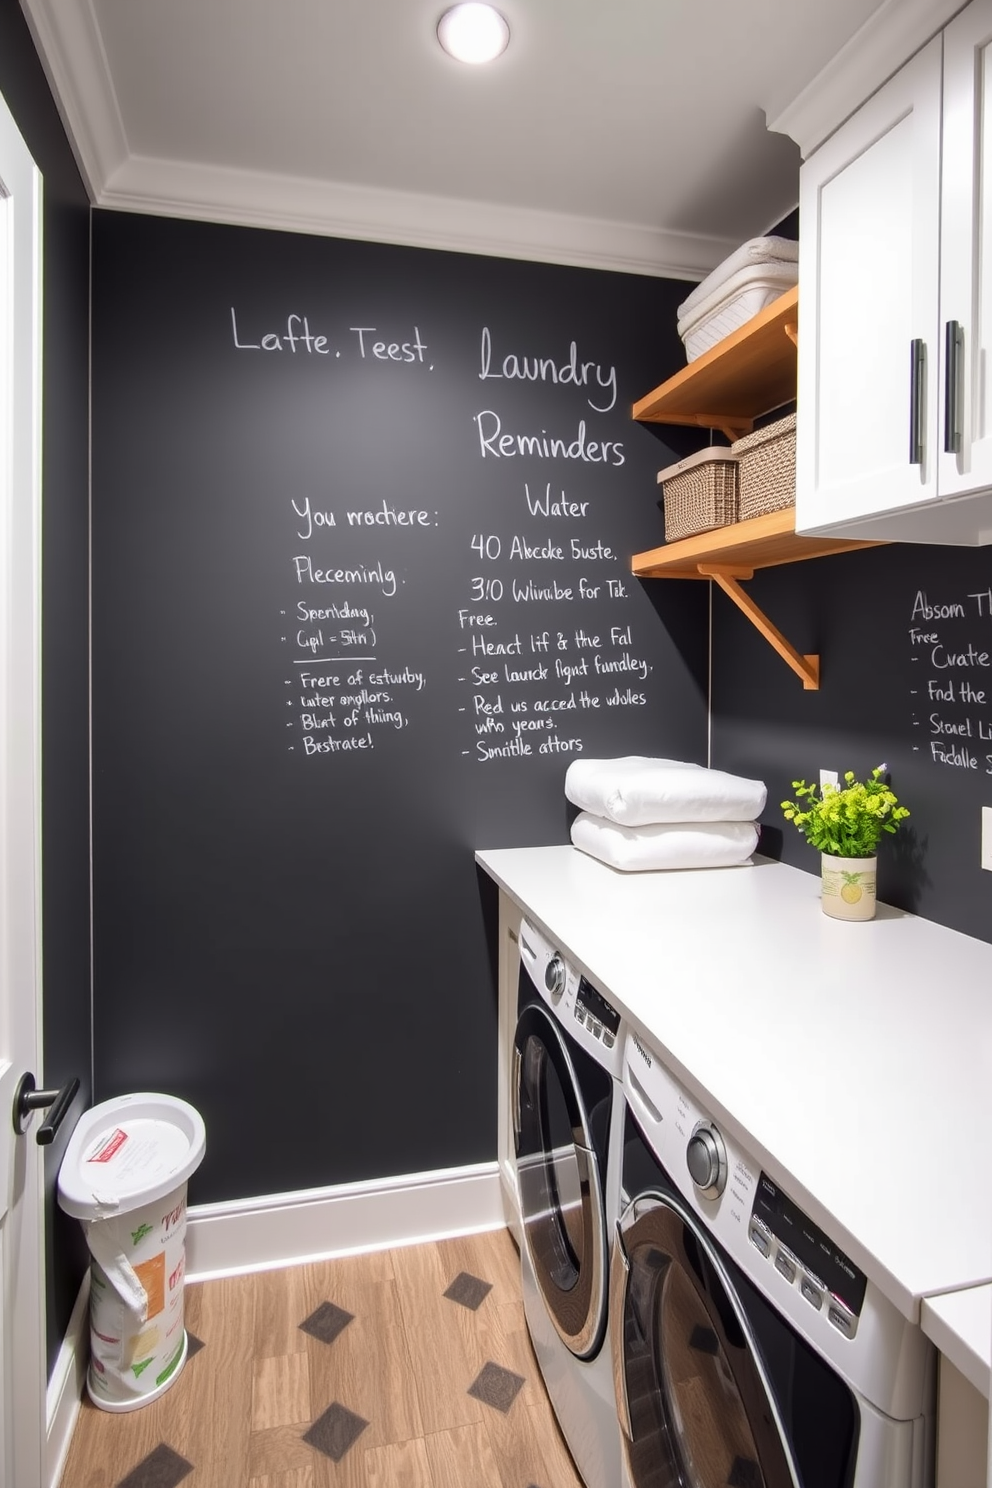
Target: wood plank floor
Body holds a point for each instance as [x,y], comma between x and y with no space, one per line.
[390,1383]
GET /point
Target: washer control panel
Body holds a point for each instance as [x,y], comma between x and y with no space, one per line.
[786,1256]
[806,1257]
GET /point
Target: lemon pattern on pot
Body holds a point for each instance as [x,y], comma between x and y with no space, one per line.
[847,887]
[850,886]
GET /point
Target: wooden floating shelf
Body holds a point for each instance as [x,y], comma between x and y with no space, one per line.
[728,555]
[760,542]
[748,373]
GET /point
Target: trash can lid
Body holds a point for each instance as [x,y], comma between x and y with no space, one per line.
[129,1152]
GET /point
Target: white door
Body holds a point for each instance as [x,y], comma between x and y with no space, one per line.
[868,274]
[22,1365]
[966,251]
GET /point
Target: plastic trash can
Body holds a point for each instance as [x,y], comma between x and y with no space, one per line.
[124,1177]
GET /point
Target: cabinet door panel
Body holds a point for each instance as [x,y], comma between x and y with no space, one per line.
[868,278]
[966,244]
[865,314]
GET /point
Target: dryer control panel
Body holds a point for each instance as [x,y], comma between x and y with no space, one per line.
[596,1014]
[580,1007]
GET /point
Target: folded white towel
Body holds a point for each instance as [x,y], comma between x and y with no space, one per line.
[670,845]
[637,791]
[756,250]
[754,284]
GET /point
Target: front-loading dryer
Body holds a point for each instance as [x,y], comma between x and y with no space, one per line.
[566,1101]
[748,1349]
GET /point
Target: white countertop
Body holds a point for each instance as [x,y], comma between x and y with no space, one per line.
[854,1061]
[960,1324]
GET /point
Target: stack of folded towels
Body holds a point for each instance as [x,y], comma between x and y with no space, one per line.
[752,277]
[639,813]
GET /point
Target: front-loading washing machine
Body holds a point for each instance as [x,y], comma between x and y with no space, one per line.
[566,1102]
[748,1350]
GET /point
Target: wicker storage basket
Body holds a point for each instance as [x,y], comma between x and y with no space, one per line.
[767,468]
[700,493]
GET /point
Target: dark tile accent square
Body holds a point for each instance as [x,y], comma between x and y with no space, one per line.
[496,1386]
[335,1431]
[193,1344]
[745,1473]
[162,1468]
[327,1322]
[468,1290]
[704,1340]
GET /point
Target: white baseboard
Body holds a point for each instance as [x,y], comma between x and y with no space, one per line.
[260,1234]
[65,1388]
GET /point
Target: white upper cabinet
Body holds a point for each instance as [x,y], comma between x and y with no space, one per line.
[965,454]
[895,399]
[868,272]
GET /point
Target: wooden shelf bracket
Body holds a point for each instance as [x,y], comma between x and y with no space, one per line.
[807,668]
[731,426]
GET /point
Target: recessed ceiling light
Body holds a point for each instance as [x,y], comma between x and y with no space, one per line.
[473,33]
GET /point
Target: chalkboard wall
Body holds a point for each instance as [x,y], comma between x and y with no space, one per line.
[362,519]
[904,634]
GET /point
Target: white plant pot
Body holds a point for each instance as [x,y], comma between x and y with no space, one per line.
[847,887]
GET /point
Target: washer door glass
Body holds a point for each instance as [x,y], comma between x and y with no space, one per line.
[560,1190]
[695,1403]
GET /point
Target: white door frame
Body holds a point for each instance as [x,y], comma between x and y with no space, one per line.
[22,1328]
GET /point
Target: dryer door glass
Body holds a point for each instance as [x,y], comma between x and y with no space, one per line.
[561,1198]
[700,1408]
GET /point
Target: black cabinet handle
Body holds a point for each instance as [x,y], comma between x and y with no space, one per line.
[953,348]
[57,1102]
[917,378]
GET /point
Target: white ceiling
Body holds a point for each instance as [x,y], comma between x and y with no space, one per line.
[624,133]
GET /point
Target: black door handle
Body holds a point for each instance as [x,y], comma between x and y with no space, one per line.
[28,1099]
[953,347]
[917,376]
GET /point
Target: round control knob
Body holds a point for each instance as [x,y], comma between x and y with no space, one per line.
[706,1159]
[554,977]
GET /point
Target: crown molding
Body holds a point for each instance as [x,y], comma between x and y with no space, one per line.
[889,37]
[337,209]
[70,46]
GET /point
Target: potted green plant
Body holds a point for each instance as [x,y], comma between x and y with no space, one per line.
[845,824]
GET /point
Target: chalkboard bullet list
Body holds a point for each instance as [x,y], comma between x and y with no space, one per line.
[959,687]
[344,707]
